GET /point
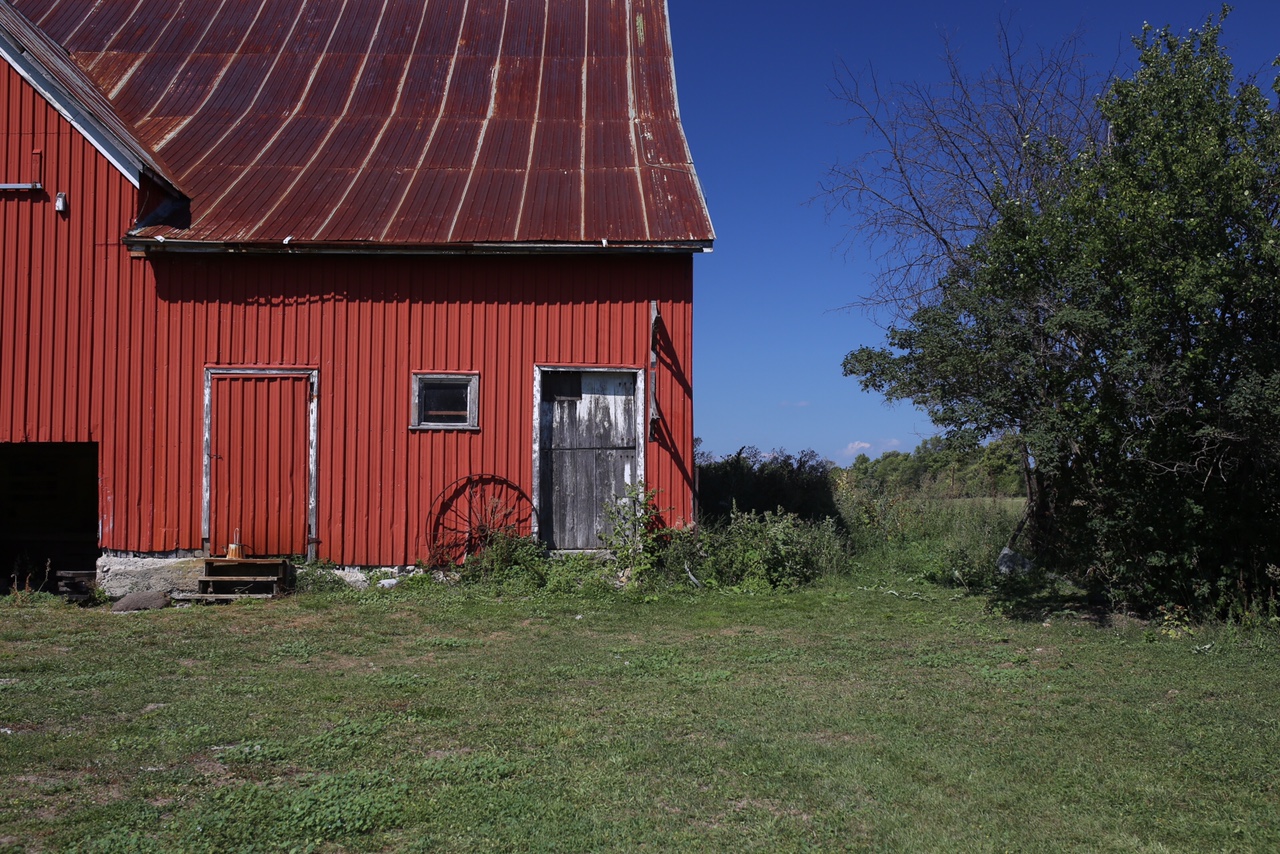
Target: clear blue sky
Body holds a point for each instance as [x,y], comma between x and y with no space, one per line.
[753,81]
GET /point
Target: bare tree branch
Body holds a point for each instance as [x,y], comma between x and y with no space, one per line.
[944,156]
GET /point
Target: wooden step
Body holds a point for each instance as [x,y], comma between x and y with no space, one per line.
[195,596]
[268,574]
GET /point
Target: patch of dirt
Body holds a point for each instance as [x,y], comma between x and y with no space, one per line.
[10,730]
[1100,618]
[344,663]
[667,808]
[448,753]
[770,806]
[40,780]
[301,622]
[212,769]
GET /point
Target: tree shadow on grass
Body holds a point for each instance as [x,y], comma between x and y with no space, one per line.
[1039,598]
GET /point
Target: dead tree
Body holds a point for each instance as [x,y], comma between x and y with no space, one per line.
[944,155]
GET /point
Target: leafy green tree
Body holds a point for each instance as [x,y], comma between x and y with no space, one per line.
[942,468]
[1126,329]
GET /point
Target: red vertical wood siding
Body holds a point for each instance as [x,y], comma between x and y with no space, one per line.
[98,346]
[51,266]
[367,324]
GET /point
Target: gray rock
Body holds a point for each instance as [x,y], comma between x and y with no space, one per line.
[145,601]
[1012,563]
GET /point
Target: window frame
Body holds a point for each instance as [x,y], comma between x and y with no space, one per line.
[467,380]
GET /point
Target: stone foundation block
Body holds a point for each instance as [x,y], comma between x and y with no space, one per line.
[120,576]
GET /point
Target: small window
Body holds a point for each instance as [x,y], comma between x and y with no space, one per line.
[561,385]
[445,401]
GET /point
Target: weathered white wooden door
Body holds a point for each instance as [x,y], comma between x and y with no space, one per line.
[588,452]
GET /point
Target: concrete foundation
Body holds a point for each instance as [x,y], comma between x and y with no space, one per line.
[120,576]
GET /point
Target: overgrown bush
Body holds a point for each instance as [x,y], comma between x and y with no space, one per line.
[579,572]
[31,598]
[750,550]
[953,541]
[759,552]
[635,534]
[508,560]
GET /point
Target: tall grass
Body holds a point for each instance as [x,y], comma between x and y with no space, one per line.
[951,541]
[945,540]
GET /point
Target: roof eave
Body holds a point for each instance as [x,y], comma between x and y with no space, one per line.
[147,244]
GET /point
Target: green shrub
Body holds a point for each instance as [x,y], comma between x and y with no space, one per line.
[828,547]
[515,563]
[759,552]
[31,598]
[635,535]
[953,542]
[683,558]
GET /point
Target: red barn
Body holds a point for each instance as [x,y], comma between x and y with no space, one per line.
[350,280]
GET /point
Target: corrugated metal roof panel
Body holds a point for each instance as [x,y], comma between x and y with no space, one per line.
[397,122]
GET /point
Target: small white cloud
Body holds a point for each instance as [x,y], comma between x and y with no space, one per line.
[854,448]
[893,443]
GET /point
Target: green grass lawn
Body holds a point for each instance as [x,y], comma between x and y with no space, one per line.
[854,715]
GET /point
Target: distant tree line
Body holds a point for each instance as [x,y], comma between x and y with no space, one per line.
[807,484]
[753,481]
[941,469]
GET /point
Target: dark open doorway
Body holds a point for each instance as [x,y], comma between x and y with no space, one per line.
[48,512]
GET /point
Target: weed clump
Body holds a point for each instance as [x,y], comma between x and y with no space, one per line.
[514,563]
[751,551]
[318,577]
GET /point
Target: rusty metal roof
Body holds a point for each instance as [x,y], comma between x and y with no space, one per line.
[368,123]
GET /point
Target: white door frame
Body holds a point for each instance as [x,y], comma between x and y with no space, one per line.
[641,421]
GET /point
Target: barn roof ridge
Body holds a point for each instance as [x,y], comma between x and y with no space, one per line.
[462,125]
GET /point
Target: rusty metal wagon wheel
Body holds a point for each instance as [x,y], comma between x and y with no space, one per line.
[471,511]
